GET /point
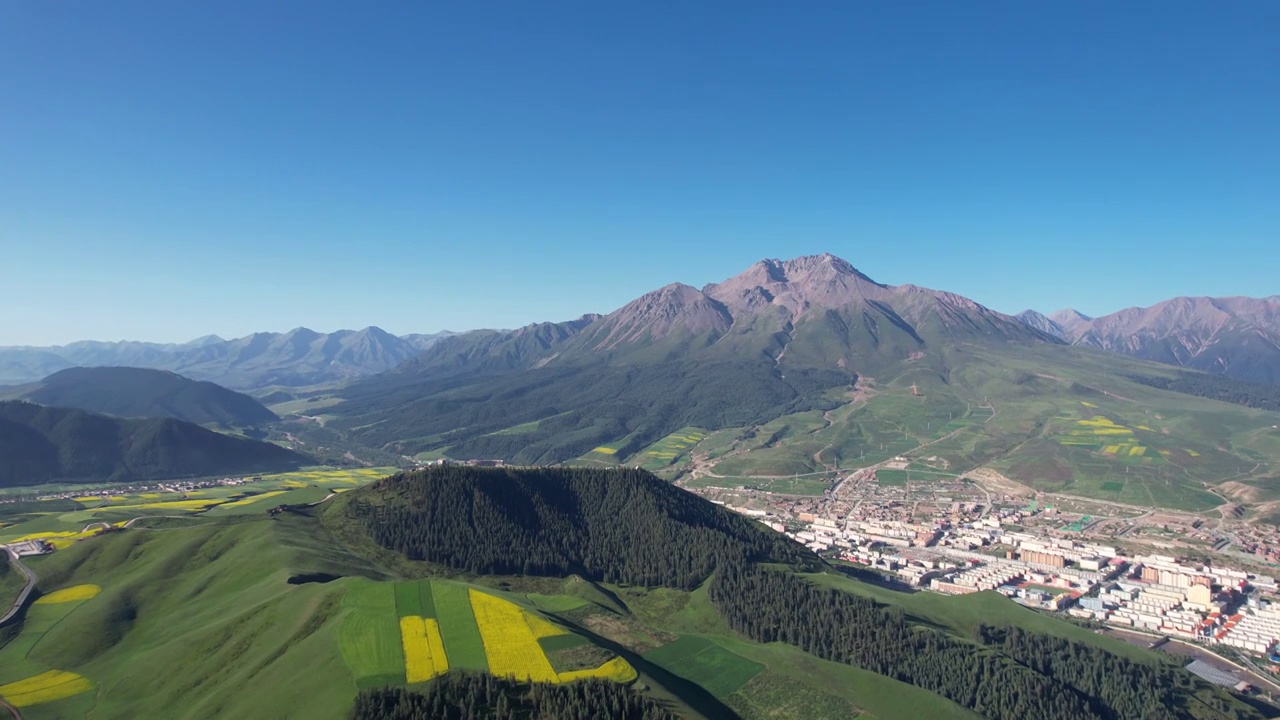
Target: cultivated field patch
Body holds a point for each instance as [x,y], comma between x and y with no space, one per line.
[410,632]
[706,663]
[75,593]
[44,687]
[369,636]
[424,655]
[667,450]
[458,629]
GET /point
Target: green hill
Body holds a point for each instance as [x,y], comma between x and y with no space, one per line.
[43,444]
[612,525]
[142,393]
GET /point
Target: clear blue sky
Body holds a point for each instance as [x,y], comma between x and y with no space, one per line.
[169,170]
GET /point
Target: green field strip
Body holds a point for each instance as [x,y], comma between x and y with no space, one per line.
[408,599]
[458,628]
[702,661]
[562,642]
[427,602]
[556,603]
[369,636]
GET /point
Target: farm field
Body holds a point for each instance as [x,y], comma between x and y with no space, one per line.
[411,631]
[717,670]
[65,521]
[26,679]
[669,449]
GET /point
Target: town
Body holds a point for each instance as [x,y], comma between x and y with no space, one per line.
[1145,575]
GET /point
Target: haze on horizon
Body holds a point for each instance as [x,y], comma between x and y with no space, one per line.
[172,172]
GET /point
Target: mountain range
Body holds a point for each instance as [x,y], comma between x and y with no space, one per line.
[807,367]
[780,337]
[1234,336]
[297,358]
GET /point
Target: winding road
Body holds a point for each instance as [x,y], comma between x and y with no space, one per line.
[26,591]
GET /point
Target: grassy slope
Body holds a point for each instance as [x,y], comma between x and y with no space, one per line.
[11,583]
[200,622]
[1038,395]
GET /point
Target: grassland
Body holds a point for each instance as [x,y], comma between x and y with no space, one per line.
[717,670]
[1081,429]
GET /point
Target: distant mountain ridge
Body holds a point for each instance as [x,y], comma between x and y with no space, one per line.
[780,337]
[46,444]
[1238,337]
[297,358]
[143,393]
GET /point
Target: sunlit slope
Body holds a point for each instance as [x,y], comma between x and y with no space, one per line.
[1055,419]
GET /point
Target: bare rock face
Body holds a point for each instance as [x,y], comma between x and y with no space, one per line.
[655,315]
[1234,336]
[821,281]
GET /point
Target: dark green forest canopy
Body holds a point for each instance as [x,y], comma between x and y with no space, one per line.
[1009,675]
[1262,396]
[465,696]
[613,525]
[42,444]
[144,393]
[588,405]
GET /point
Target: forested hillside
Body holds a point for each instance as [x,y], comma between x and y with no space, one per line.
[1020,675]
[465,696]
[578,407]
[1263,396]
[42,444]
[622,525]
[142,393]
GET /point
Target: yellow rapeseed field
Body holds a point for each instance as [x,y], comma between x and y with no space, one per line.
[605,450]
[541,628]
[89,498]
[58,539]
[45,687]
[511,635]
[175,505]
[253,499]
[424,656]
[72,594]
[509,643]
[617,670]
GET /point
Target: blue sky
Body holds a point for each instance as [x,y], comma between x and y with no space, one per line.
[169,170]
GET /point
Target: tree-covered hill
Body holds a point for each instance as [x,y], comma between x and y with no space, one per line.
[620,525]
[44,444]
[142,393]
[459,696]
